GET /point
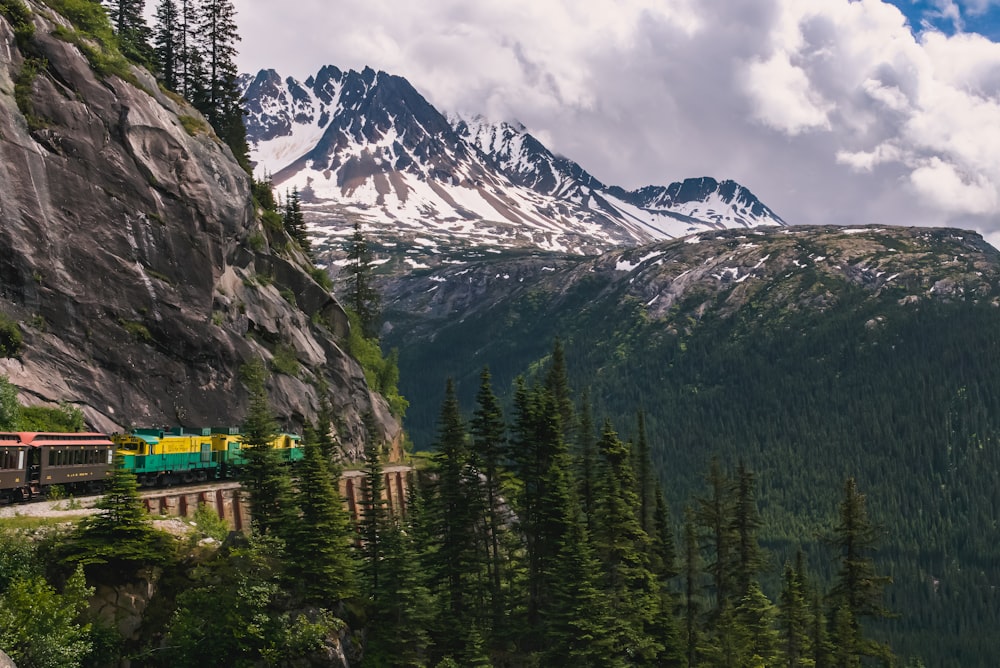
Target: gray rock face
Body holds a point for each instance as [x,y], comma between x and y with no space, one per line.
[132,259]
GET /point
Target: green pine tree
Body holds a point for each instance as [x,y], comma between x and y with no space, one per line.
[691,564]
[321,545]
[167,42]
[216,36]
[373,511]
[858,591]
[398,633]
[749,558]
[121,534]
[488,452]
[265,478]
[294,220]
[577,623]
[458,572]
[537,447]
[128,20]
[663,563]
[757,616]
[585,461]
[362,297]
[557,383]
[624,548]
[715,512]
[795,619]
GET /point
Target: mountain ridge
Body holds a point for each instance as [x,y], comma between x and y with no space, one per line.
[367,147]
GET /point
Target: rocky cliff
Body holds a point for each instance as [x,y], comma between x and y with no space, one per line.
[132,259]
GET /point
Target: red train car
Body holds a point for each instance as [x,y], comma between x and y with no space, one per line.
[78,462]
[13,467]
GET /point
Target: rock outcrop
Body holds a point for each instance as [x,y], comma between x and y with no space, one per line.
[134,263]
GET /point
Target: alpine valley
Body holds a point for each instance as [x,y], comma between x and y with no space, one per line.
[806,472]
[808,353]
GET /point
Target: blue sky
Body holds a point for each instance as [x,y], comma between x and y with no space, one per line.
[949,16]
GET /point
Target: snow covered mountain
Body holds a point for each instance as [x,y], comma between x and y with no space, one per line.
[366,146]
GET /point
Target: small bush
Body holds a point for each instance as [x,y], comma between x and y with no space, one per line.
[65,418]
[193,125]
[256,242]
[272,221]
[322,277]
[93,36]
[209,522]
[23,87]
[19,16]
[10,337]
[137,330]
[263,193]
[381,372]
[286,361]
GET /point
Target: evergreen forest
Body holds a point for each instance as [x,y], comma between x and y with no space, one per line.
[901,398]
[534,538]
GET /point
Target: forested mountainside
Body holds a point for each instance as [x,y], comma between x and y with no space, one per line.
[135,271]
[809,354]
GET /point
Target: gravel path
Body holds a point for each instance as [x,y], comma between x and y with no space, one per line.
[81,506]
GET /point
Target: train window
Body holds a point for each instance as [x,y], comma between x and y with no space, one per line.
[78,457]
[5,459]
[52,457]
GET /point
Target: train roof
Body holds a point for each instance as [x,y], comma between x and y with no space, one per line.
[47,438]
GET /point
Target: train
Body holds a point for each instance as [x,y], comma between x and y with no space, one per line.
[33,463]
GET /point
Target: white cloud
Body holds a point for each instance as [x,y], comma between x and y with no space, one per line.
[831,112]
[979,7]
[941,183]
[783,97]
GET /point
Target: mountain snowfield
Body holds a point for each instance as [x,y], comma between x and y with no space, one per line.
[367,147]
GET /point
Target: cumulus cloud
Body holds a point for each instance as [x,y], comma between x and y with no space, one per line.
[831,112]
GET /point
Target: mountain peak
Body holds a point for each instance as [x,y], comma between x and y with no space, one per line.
[368,146]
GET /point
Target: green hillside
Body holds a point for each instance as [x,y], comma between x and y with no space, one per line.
[808,377]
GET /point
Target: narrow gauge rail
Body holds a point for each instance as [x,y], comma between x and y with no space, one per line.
[32,463]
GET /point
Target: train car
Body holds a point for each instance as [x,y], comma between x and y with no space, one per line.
[80,462]
[227,447]
[289,446]
[184,455]
[159,457]
[13,467]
